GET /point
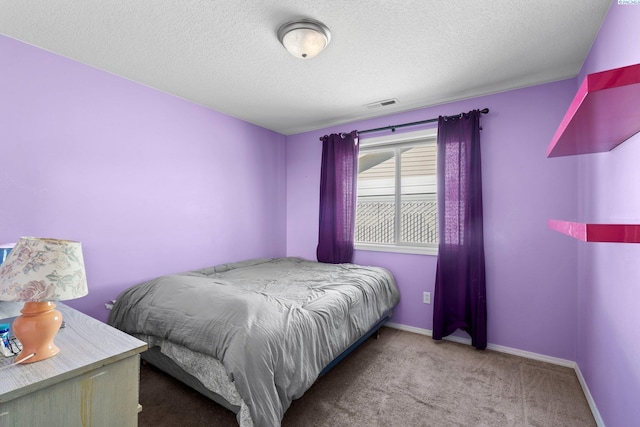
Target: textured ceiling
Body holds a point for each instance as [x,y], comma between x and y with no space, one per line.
[224,54]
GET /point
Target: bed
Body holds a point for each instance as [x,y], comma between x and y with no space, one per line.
[255,335]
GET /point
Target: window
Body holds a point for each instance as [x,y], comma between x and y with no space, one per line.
[397,206]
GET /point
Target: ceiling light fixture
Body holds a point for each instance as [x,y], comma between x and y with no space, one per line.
[304,38]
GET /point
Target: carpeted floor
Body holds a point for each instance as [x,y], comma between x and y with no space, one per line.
[401,379]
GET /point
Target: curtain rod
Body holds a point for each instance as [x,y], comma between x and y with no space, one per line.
[393,127]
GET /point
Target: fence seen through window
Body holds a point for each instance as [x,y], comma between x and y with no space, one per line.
[375,221]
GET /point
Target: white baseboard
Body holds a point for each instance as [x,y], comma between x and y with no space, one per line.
[590,401]
[413,329]
[521,353]
[495,347]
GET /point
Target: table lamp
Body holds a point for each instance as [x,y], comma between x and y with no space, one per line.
[39,271]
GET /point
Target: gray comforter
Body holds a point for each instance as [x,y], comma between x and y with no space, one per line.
[273,323]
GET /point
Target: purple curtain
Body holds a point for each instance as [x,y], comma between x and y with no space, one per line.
[460,295]
[338,180]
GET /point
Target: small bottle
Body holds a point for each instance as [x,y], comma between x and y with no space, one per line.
[4,335]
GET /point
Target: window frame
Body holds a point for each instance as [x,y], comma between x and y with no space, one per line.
[396,141]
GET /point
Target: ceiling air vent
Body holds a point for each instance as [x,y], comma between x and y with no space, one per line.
[384,103]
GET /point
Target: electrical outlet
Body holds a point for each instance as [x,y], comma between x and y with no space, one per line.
[426,297]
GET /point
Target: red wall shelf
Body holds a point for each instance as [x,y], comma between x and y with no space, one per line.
[604,113]
[613,233]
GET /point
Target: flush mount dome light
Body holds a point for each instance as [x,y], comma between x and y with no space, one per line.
[304,38]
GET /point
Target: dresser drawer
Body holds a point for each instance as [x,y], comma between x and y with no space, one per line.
[107,396]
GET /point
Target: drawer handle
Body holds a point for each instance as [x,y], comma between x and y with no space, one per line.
[98,374]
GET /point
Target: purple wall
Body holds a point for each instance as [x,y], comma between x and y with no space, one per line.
[531,283]
[608,351]
[149,183]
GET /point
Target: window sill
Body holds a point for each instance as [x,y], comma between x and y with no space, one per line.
[397,249]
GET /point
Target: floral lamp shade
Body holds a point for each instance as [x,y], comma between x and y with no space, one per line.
[39,269]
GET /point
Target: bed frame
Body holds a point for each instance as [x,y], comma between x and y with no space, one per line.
[374,330]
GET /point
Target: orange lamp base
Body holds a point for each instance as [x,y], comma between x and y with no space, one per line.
[36,329]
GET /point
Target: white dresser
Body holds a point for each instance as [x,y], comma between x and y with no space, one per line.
[92,382]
